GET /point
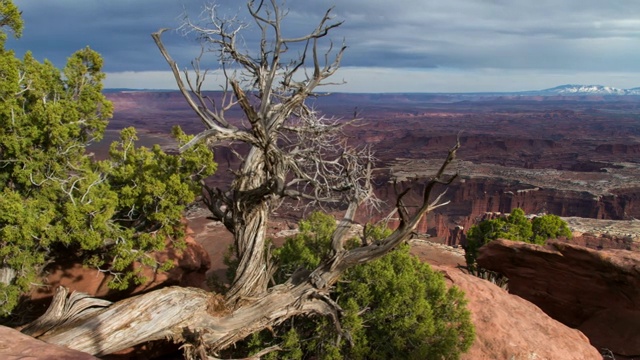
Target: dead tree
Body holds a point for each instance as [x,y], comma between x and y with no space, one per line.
[294,153]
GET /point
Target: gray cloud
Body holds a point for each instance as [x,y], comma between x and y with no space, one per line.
[544,35]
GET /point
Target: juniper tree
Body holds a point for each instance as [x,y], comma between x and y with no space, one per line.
[395,307]
[515,227]
[293,153]
[56,201]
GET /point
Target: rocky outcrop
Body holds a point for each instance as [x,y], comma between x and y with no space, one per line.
[597,291]
[507,326]
[16,346]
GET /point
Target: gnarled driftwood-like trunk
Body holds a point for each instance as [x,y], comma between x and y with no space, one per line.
[182,313]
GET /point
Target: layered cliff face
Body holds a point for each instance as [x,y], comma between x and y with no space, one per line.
[612,193]
[472,199]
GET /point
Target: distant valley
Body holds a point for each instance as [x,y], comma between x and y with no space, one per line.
[571,153]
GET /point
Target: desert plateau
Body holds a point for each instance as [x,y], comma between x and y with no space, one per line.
[575,156]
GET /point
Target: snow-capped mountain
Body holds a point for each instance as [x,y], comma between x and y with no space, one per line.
[573,89]
[633,91]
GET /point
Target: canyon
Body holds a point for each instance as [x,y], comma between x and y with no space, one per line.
[573,156]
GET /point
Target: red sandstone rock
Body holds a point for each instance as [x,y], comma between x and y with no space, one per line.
[581,287]
[509,327]
[614,329]
[16,346]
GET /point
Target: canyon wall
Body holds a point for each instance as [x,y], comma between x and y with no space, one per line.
[471,199]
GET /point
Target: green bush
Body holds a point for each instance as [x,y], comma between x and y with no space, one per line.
[56,201]
[395,307]
[549,227]
[515,227]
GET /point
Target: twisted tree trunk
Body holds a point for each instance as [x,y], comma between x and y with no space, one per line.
[251,215]
[295,153]
[205,319]
[253,273]
[185,315]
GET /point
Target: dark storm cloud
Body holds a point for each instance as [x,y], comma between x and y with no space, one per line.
[585,35]
[118,29]
[566,34]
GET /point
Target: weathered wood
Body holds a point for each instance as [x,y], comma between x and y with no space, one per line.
[176,313]
[63,310]
[251,208]
[7,275]
[152,316]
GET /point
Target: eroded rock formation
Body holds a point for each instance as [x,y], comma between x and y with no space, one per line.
[487,188]
[507,326]
[597,291]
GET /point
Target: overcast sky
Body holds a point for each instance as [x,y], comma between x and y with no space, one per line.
[394,46]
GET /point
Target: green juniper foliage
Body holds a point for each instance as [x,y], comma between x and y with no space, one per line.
[308,247]
[515,227]
[56,201]
[395,307]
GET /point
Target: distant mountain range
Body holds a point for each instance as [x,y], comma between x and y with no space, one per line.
[573,89]
[562,90]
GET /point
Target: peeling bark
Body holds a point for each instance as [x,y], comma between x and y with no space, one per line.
[174,313]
